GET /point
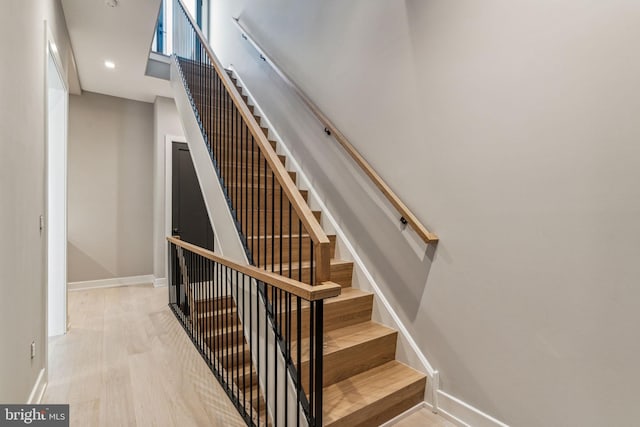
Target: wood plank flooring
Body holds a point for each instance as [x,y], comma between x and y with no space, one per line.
[126,361]
[424,418]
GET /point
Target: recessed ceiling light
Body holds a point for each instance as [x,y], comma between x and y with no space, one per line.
[109,64]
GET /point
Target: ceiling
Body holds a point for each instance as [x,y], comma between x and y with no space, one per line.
[121,34]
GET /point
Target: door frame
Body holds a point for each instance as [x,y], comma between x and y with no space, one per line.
[168,192]
[51,51]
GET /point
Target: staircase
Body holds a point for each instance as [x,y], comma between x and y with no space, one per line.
[362,382]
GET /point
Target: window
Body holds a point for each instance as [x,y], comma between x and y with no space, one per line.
[162,38]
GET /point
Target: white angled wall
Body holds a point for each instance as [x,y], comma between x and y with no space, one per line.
[510,128]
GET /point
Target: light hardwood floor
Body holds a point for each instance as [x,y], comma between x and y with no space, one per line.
[126,361]
[423,418]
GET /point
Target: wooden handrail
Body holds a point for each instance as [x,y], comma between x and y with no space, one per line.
[311,224]
[304,291]
[407,217]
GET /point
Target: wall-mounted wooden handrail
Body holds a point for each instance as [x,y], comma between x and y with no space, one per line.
[407,217]
[304,291]
[312,226]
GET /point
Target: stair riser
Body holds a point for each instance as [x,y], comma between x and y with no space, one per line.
[255,172]
[354,360]
[340,273]
[241,181]
[274,227]
[384,410]
[245,148]
[292,249]
[225,119]
[214,129]
[336,315]
[230,362]
[261,197]
[256,218]
[246,380]
[204,88]
[206,305]
[257,165]
[218,321]
[227,337]
[216,133]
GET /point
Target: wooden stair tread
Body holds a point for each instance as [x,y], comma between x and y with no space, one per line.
[354,400]
[340,270]
[331,237]
[349,336]
[218,311]
[306,264]
[346,294]
[230,329]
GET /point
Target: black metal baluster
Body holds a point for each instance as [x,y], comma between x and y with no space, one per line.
[253,219]
[237,346]
[258,331]
[273,234]
[288,356]
[210,311]
[311,275]
[298,356]
[275,297]
[311,390]
[290,242]
[218,335]
[217,125]
[280,224]
[190,284]
[319,360]
[251,334]
[196,300]
[245,227]
[299,250]
[265,261]
[235,153]
[266,353]
[244,342]
[227,334]
[259,212]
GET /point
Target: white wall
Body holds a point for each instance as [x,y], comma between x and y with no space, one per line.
[510,130]
[166,123]
[22,189]
[110,187]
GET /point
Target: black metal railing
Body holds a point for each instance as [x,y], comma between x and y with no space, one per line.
[278,230]
[261,334]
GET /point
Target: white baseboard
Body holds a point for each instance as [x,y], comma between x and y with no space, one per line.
[111,283]
[35,397]
[160,282]
[456,412]
[463,414]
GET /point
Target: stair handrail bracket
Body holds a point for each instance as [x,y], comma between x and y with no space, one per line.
[406,216]
[321,243]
